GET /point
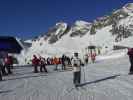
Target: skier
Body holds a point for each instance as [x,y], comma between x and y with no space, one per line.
[56,62]
[76,64]
[63,61]
[3,70]
[43,65]
[86,59]
[69,61]
[93,57]
[48,61]
[8,63]
[35,63]
[130,54]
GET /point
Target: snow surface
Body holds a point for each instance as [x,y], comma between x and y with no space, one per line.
[127,42]
[105,80]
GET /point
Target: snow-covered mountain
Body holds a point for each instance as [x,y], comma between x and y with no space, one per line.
[103,32]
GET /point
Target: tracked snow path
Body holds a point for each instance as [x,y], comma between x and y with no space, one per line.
[102,83]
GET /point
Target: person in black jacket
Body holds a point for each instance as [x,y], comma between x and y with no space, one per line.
[130,54]
[63,61]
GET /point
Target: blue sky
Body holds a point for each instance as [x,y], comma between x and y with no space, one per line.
[29,18]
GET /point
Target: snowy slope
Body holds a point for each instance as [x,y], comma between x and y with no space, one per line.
[127,42]
[102,83]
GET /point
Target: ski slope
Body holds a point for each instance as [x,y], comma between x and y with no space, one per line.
[107,79]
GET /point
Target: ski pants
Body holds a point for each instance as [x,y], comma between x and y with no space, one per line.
[35,68]
[3,70]
[8,67]
[63,66]
[76,77]
[43,67]
[131,62]
[131,68]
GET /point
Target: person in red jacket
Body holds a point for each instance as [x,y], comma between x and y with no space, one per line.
[130,54]
[93,57]
[8,63]
[35,63]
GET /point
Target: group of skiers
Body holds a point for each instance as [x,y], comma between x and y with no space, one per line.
[39,62]
[75,62]
[65,61]
[42,62]
[6,66]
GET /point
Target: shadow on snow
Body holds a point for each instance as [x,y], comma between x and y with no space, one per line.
[5,91]
[26,77]
[99,80]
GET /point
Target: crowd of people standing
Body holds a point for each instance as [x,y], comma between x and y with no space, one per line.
[56,61]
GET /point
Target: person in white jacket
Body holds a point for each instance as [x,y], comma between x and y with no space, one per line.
[76,64]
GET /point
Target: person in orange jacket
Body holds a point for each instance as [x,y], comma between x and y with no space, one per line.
[8,63]
[56,62]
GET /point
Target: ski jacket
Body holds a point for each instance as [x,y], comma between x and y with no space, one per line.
[56,61]
[35,61]
[8,60]
[130,52]
[42,61]
[76,64]
[93,56]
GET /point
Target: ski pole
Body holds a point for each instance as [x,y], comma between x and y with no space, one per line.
[84,74]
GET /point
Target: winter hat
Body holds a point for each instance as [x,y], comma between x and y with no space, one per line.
[34,56]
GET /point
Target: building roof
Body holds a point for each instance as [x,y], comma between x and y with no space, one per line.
[9,44]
